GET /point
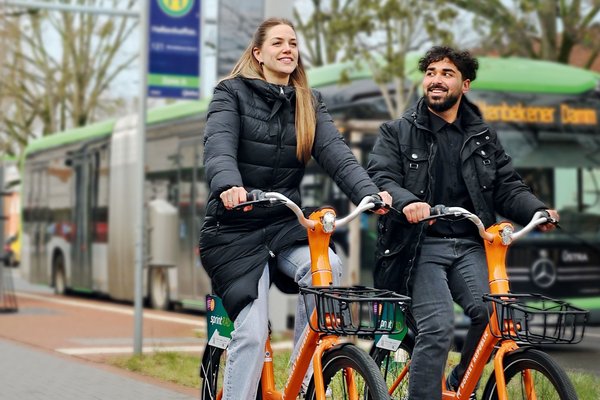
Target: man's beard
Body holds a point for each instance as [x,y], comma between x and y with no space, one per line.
[444,105]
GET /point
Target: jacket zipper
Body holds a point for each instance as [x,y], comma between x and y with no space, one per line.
[279,144]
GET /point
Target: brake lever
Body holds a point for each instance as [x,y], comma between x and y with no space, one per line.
[378,203]
[436,212]
[256,198]
[549,218]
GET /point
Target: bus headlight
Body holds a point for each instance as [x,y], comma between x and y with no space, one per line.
[328,221]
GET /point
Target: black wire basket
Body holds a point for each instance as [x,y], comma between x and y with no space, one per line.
[355,310]
[537,319]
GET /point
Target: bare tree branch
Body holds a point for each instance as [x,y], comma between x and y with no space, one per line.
[52,88]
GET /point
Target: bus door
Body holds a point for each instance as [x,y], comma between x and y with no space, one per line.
[39,223]
[85,167]
[193,283]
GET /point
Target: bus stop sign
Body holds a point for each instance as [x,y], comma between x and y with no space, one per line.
[174,49]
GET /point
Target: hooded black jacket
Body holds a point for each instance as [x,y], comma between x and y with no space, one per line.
[250,141]
[401,163]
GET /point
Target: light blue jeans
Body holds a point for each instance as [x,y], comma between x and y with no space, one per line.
[245,354]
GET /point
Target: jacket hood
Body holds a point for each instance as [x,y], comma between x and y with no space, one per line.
[471,116]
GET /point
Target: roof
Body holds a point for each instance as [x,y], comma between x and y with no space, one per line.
[512,74]
[105,128]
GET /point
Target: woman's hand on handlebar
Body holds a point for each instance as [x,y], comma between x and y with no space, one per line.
[387,200]
[415,212]
[550,226]
[234,196]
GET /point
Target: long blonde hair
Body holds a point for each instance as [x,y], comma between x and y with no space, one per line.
[249,67]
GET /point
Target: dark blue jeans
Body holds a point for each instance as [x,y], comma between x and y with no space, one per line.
[447,270]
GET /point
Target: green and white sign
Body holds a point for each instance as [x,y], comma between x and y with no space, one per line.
[218,323]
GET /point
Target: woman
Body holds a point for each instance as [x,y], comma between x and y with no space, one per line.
[263,125]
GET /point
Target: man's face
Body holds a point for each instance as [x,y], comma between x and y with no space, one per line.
[443,85]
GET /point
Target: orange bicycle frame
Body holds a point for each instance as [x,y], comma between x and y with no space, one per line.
[313,344]
[491,339]
[495,251]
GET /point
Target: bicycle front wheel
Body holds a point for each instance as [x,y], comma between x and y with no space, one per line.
[549,380]
[394,366]
[212,369]
[347,363]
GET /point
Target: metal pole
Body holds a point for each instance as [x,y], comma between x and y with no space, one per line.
[3,295]
[141,160]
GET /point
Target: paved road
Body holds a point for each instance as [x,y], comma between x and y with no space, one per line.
[31,374]
[56,347]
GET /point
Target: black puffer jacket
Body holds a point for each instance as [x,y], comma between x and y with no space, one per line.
[401,163]
[250,141]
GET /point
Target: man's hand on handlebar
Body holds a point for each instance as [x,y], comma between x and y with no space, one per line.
[234,196]
[550,226]
[415,212]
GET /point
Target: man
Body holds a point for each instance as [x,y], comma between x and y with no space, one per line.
[442,152]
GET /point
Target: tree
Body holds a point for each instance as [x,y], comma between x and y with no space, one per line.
[540,29]
[378,34]
[53,88]
[320,42]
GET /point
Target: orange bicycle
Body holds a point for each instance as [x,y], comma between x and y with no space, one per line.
[517,323]
[341,370]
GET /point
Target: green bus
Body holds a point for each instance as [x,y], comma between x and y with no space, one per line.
[76,186]
[547,116]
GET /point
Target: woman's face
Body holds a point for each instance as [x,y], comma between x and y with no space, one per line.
[279,54]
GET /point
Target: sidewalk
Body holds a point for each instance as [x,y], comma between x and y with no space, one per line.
[30,374]
[57,347]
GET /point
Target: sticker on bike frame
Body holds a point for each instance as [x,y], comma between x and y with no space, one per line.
[218,324]
[391,342]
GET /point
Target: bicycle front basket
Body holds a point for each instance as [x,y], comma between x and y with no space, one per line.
[356,310]
[537,319]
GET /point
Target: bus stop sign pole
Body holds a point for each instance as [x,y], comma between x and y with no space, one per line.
[141,175]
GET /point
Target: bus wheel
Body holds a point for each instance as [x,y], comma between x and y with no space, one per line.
[159,288]
[60,280]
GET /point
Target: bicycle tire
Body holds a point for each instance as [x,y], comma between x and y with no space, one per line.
[370,383]
[391,365]
[550,380]
[211,372]
[212,369]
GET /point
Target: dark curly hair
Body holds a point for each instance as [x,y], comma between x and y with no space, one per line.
[464,61]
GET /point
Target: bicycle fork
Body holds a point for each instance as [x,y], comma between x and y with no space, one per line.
[507,347]
[483,352]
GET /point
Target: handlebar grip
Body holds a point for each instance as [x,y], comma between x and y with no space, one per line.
[438,209]
[378,201]
[255,194]
[546,214]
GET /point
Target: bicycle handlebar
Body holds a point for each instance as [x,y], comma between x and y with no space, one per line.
[257,197]
[508,235]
